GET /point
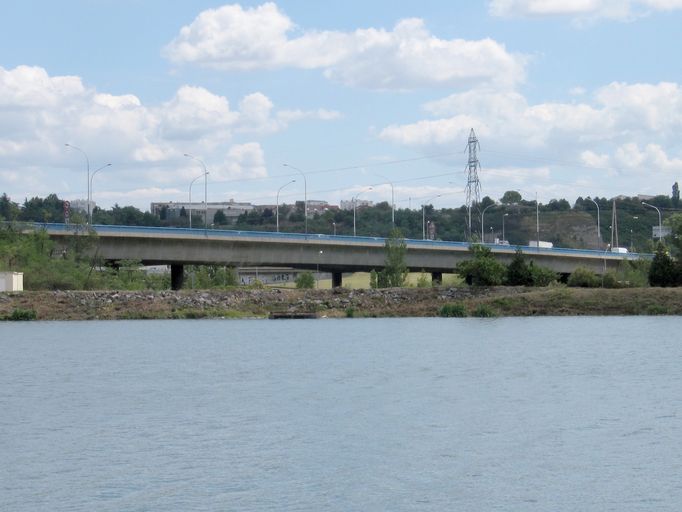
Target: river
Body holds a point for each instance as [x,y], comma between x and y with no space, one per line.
[559,414]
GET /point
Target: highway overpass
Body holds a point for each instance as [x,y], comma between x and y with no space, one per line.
[327,253]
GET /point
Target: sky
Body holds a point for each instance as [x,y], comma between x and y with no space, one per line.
[373,99]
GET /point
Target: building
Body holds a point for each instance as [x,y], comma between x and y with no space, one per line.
[173,210]
[11,282]
[359,203]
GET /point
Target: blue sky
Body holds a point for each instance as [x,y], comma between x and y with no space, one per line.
[568,97]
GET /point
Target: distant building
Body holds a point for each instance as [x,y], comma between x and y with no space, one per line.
[359,203]
[81,205]
[173,210]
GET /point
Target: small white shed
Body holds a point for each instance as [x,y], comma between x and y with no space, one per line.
[11,281]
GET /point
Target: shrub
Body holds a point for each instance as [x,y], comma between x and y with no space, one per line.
[305,280]
[483,270]
[20,314]
[663,270]
[423,281]
[350,312]
[484,311]
[452,310]
[542,276]
[518,272]
[583,278]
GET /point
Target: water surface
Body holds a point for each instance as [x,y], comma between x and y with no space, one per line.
[557,414]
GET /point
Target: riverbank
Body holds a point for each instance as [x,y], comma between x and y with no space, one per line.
[397,302]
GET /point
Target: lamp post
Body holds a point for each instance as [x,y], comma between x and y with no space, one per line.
[277,206]
[660,224]
[598,224]
[305,195]
[317,280]
[503,216]
[190,197]
[492,239]
[424,214]
[91,178]
[355,200]
[205,175]
[334,226]
[87,164]
[482,218]
[392,199]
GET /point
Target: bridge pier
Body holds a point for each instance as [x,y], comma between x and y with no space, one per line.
[177,276]
[436,278]
[337,278]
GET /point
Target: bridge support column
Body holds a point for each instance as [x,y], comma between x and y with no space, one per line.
[436,278]
[337,278]
[177,276]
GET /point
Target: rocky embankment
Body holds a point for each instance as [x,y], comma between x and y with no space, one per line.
[396,302]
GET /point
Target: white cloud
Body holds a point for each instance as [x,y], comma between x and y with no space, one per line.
[407,57]
[40,113]
[619,130]
[581,10]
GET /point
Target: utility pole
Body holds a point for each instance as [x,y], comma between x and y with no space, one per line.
[473,188]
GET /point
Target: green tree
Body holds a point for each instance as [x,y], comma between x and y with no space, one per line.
[305,280]
[395,269]
[483,269]
[220,219]
[583,278]
[373,279]
[663,270]
[511,197]
[518,272]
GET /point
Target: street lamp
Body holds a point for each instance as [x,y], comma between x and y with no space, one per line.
[598,225]
[355,199]
[190,197]
[334,226]
[87,164]
[392,199]
[277,207]
[305,195]
[492,239]
[205,175]
[482,217]
[660,224]
[424,214]
[91,177]
[503,216]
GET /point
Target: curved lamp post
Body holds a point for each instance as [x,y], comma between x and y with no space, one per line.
[205,175]
[598,223]
[503,216]
[305,195]
[91,178]
[660,224]
[482,218]
[392,199]
[355,199]
[277,204]
[190,196]
[87,164]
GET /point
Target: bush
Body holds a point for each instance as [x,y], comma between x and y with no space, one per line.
[452,310]
[541,276]
[483,270]
[423,281]
[20,314]
[518,272]
[305,280]
[583,278]
[484,311]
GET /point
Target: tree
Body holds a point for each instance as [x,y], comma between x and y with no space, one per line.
[518,272]
[663,270]
[395,269]
[305,280]
[220,218]
[8,210]
[511,197]
[676,194]
[483,269]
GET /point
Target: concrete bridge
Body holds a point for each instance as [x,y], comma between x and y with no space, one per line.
[327,253]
